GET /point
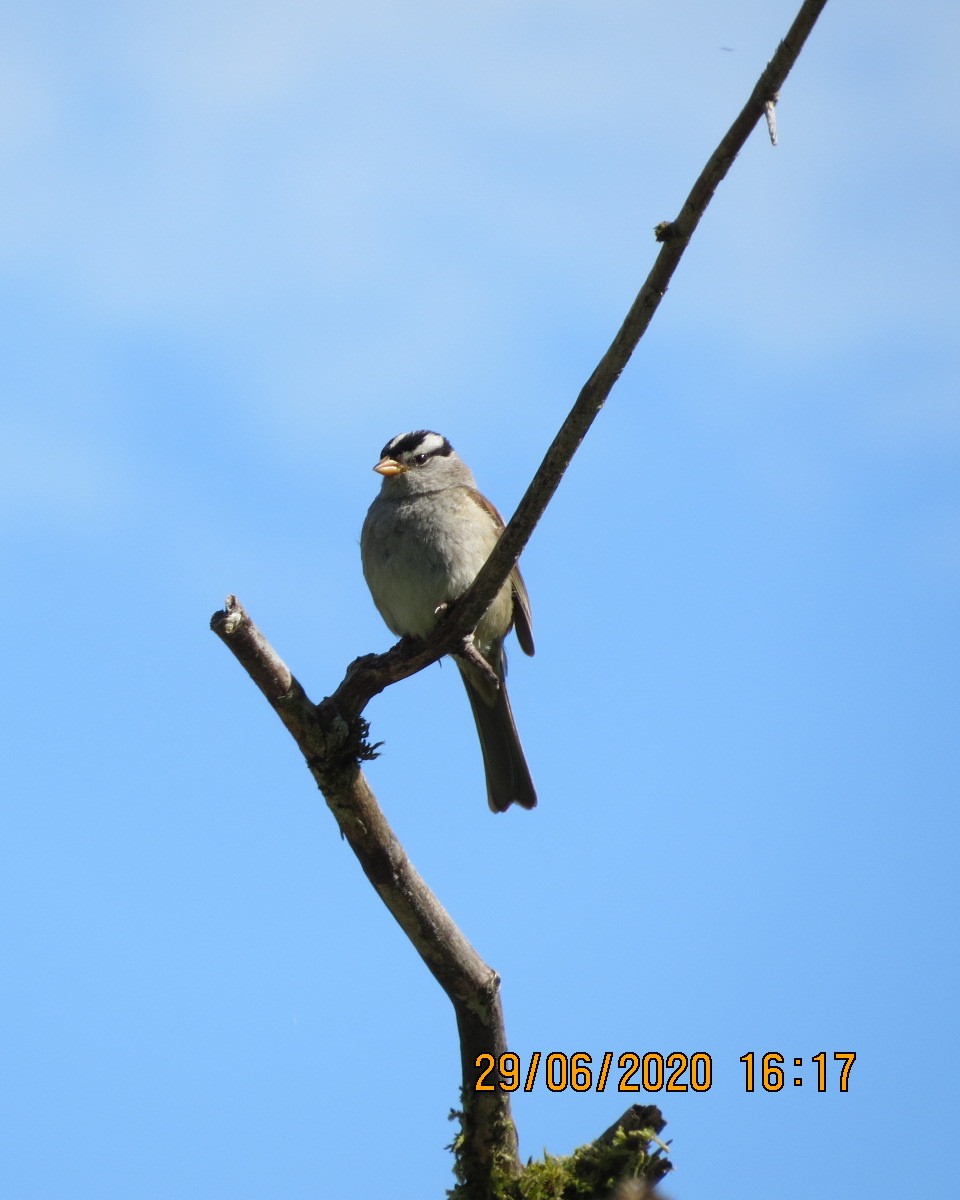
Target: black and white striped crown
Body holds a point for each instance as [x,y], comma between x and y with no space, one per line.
[417,446]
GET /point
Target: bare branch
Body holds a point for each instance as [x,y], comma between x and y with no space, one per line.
[332,735]
[473,987]
[372,674]
[675,237]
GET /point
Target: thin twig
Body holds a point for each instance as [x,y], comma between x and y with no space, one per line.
[376,672]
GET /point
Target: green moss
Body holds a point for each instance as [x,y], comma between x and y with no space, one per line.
[591,1172]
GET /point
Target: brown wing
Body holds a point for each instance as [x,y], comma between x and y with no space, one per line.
[523,622]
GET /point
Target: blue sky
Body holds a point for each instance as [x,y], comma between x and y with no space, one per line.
[244,245]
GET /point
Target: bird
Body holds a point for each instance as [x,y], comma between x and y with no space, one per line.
[426,535]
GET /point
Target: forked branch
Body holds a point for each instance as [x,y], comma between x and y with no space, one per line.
[332,735]
[489,1140]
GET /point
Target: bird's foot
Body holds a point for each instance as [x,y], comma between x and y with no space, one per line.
[469,653]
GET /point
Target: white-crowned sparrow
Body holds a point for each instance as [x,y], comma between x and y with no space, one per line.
[425,538]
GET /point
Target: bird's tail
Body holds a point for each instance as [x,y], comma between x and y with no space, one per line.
[508,776]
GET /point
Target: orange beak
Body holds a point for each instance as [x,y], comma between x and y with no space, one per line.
[388,466]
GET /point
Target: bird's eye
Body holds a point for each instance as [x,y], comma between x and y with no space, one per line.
[420,459]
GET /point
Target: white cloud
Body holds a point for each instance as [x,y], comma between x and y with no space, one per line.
[309,188]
